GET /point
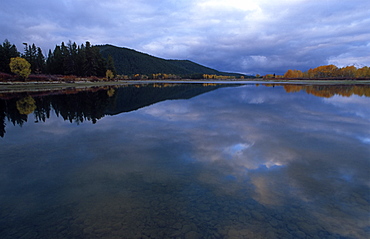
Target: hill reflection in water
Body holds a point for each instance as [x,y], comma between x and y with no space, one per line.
[233,162]
[93,104]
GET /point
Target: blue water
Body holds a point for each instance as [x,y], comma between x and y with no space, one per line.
[231,162]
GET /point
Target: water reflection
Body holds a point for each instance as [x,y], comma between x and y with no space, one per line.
[236,162]
[76,105]
[92,104]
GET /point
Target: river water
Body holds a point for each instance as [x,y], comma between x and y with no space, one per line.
[186,161]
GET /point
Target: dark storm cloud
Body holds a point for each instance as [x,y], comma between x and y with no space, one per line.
[249,36]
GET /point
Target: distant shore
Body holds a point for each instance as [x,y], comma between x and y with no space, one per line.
[22,86]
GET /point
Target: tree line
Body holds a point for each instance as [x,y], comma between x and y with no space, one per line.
[330,71]
[66,59]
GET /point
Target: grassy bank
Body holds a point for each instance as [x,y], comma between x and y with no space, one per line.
[12,86]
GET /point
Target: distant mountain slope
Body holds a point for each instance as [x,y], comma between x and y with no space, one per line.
[128,62]
[194,68]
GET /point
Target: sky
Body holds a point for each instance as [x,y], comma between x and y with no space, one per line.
[250,36]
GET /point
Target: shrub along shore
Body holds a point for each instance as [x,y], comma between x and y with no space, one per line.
[54,82]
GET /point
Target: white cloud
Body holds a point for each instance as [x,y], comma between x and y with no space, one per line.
[210,5]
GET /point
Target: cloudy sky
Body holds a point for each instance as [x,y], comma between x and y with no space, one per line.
[260,36]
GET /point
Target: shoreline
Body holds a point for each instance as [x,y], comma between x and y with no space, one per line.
[7,87]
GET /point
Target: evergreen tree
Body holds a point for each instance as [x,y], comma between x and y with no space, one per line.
[57,61]
[71,59]
[110,65]
[40,61]
[95,63]
[66,69]
[7,51]
[102,64]
[35,57]
[49,62]
[91,64]
[80,60]
[30,54]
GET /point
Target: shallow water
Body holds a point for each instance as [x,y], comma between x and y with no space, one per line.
[209,162]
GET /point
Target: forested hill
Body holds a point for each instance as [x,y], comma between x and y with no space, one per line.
[128,62]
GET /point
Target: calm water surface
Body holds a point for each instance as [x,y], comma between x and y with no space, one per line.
[186,161]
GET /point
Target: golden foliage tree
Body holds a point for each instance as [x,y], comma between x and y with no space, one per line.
[293,74]
[363,72]
[330,71]
[348,71]
[20,66]
[109,74]
[218,77]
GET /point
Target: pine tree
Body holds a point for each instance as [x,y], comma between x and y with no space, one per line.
[90,64]
[7,51]
[35,57]
[110,65]
[40,61]
[70,59]
[76,60]
[49,62]
[65,60]
[80,60]
[58,60]
[95,64]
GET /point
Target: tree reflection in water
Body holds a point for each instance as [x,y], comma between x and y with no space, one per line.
[94,103]
[77,106]
[237,162]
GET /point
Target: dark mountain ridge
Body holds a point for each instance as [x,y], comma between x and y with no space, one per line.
[128,62]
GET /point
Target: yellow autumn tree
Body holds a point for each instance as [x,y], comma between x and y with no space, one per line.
[288,74]
[20,66]
[348,71]
[109,74]
[293,74]
[326,71]
[363,72]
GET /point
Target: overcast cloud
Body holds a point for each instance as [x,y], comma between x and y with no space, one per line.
[260,36]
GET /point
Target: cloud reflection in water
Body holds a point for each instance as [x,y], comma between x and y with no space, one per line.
[284,148]
[285,163]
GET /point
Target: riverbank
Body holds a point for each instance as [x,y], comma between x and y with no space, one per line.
[18,86]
